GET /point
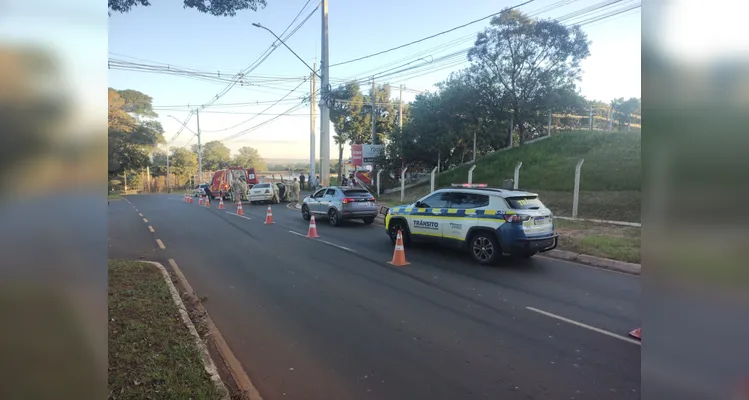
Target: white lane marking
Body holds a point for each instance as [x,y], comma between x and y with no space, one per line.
[326,242]
[580,324]
[140,214]
[161,244]
[150,228]
[237,215]
[145,220]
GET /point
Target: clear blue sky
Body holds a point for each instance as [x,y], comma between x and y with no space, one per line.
[167,33]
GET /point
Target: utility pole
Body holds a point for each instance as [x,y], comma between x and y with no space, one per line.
[374,112]
[312,123]
[590,119]
[200,150]
[400,109]
[168,187]
[324,110]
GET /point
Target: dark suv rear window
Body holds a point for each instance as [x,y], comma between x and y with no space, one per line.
[356,193]
[525,202]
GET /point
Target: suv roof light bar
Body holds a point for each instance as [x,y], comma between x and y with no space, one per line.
[469,185]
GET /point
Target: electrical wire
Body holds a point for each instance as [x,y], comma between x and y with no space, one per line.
[261,113]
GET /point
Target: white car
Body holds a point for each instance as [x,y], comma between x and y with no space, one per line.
[263,192]
[198,191]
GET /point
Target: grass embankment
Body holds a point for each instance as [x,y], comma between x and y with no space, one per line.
[609,185]
[151,352]
[113,196]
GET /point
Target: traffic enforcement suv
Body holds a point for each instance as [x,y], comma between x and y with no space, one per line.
[485,221]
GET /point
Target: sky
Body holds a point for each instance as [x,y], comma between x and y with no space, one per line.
[166,34]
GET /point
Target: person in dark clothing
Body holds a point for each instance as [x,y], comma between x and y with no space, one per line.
[301,181]
[208,193]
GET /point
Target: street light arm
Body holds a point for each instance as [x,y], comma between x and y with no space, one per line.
[255,24]
[183,125]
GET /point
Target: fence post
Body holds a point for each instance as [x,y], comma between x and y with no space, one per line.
[517,175]
[378,181]
[549,122]
[576,195]
[470,174]
[434,171]
[403,183]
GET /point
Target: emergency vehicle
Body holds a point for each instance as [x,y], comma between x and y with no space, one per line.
[222,181]
[486,222]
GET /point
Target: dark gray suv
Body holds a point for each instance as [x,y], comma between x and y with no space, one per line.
[340,203]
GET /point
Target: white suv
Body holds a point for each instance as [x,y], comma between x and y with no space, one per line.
[485,221]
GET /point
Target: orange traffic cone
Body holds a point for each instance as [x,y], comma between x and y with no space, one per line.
[399,255]
[200,202]
[207,202]
[239,208]
[637,333]
[221,203]
[312,233]
[269,216]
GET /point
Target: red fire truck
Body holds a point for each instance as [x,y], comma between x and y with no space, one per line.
[223,179]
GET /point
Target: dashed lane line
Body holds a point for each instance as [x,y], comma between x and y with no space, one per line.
[326,242]
[161,244]
[237,215]
[150,228]
[145,220]
[582,325]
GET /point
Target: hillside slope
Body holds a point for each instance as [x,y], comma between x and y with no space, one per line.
[610,175]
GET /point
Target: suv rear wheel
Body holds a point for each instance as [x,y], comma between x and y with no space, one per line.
[484,248]
[333,217]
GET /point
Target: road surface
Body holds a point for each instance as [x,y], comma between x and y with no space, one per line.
[330,319]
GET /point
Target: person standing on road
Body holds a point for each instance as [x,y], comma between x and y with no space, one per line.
[295,190]
[301,181]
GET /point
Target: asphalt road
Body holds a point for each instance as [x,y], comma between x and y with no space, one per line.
[330,319]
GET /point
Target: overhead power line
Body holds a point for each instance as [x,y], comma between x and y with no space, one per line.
[431,36]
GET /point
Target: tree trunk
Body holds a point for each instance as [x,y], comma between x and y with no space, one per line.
[521,127]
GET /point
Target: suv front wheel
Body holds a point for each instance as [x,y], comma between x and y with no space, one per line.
[484,248]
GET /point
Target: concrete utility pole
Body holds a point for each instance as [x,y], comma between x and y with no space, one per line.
[324,110]
[200,150]
[374,111]
[312,123]
[168,187]
[400,109]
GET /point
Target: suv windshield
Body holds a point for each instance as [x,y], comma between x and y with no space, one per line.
[525,202]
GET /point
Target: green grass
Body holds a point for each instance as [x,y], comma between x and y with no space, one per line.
[601,240]
[612,163]
[113,196]
[610,176]
[151,352]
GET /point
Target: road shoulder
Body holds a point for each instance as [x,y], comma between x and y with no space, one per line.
[153,346]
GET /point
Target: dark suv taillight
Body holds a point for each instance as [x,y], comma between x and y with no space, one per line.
[516,218]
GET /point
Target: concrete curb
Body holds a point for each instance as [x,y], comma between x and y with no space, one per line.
[614,265]
[232,364]
[210,366]
[605,263]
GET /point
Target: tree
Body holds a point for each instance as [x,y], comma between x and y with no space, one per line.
[130,139]
[219,8]
[248,157]
[623,110]
[529,59]
[158,164]
[138,103]
[183,164]
[348,118]
[215,156]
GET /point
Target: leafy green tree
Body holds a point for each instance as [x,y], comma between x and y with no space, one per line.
[529,59]
[158,163]
[130,139]
[215,156]
[137,103]
[623,110]
[219,8]
[183,164]
[249,157]
[348,117]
